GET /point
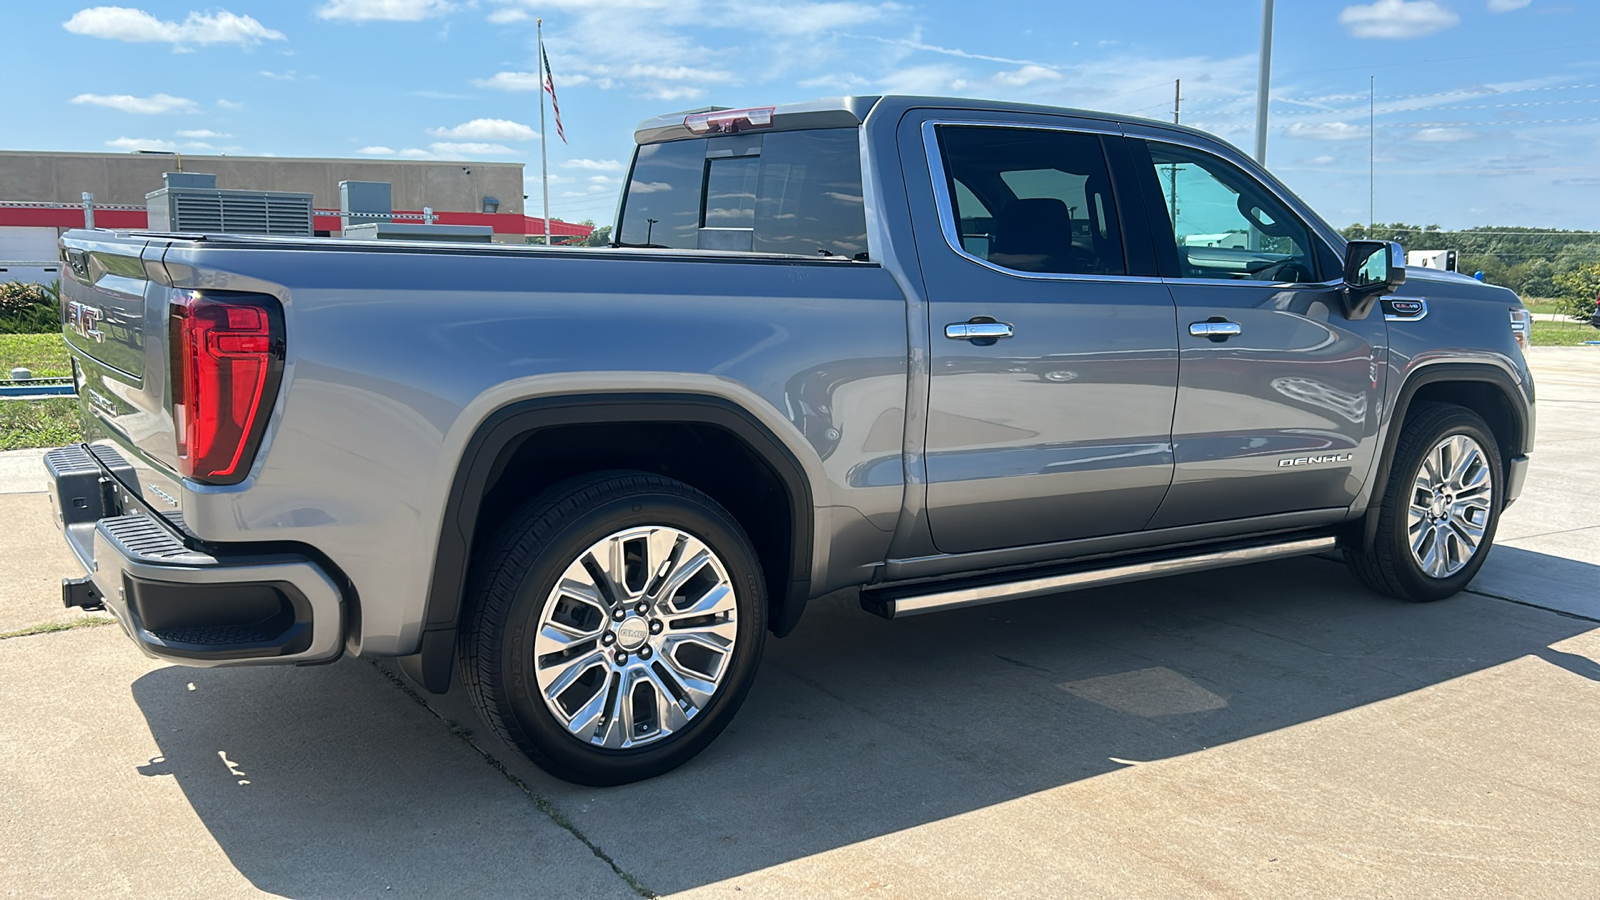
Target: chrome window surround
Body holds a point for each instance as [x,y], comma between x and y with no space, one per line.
[952,232]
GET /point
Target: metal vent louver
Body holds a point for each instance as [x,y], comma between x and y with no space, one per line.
[215,211]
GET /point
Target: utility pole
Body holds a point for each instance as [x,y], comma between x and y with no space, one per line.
[1177,98]
[1372,153]
[1264,84]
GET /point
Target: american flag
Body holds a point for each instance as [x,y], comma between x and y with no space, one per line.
[550,85]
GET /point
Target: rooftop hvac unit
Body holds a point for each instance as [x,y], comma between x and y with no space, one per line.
[192,202]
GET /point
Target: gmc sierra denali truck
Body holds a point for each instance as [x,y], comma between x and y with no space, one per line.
[937,352]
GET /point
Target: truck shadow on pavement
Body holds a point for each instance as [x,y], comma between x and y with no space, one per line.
[857,728]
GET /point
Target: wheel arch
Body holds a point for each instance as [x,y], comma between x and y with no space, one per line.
[1485,389]
[512,429]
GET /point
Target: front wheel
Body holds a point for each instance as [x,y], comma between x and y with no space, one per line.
[614,627]
[1439,509]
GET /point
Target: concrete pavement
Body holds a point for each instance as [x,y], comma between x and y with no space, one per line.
[1272,731]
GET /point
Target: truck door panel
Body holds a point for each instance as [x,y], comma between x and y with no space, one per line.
[1062,429]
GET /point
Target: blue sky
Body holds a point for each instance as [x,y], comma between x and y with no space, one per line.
[1488,110]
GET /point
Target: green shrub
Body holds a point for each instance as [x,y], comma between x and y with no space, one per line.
[30,308]
[1577,290]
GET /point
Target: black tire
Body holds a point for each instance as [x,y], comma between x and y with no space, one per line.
[1389,566]
[508,592]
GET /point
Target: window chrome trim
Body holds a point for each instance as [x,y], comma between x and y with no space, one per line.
[945,204]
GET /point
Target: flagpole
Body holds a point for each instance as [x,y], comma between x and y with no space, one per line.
[544,143]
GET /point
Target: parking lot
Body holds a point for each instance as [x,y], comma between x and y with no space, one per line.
[1271,731]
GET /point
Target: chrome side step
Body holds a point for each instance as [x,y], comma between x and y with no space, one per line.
[894,603]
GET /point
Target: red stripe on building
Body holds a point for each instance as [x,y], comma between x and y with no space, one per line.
[132,219]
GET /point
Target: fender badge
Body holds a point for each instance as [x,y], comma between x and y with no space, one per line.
[1315,460]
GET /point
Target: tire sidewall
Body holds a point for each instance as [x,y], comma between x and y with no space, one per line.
[1415,581]
[523,703]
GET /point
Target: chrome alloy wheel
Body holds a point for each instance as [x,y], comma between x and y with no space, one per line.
[635,637]
[1450,504]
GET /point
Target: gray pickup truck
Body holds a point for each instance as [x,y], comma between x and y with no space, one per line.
[934,352]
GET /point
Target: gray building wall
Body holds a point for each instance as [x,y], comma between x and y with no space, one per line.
[124,178]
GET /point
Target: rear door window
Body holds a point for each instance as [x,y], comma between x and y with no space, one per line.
[796,192]
[1033,200]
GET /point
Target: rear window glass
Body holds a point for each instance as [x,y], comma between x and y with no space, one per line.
[800,194]
[663,208]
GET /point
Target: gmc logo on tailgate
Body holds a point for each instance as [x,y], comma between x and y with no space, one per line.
[83,318]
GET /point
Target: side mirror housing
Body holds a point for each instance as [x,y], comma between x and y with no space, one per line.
[1371,269]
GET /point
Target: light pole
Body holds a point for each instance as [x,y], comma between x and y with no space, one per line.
[1263,86]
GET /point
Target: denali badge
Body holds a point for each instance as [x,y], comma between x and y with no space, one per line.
[1315,460]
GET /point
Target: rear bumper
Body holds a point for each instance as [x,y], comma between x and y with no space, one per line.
[180,604]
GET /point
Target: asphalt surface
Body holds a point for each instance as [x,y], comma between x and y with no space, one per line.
[1272,731]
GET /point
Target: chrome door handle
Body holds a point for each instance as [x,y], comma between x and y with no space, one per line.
[1217,331]
[978,331]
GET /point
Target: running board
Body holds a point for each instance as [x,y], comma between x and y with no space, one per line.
[914,600]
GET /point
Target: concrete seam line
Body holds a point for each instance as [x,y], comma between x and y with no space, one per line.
[55,627]
[543,803]
[1559,612]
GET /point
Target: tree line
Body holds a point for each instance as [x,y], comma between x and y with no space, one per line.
[1537,263]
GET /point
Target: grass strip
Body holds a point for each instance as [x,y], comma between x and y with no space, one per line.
[543,803]
[1563,334]
[38,423]
[45,355]
[53,627]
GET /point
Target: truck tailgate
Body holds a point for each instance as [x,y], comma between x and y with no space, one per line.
[116,330]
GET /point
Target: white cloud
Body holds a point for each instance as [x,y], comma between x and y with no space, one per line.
[383,10]
[1027,75]
[1326,131]
[447,149]
[278,76]
[679,73]
[136,144]
[487,130]
[510,81]
[1397,19]
[594,165]
[648,187]
[229,104]
[1323,160]
[1445,135]
[149,106]
[807,18]
[1507,5]
[202,133]
[122,23]
[508,14]
[376,151]
[936,78]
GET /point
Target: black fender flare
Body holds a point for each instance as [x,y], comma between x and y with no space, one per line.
[1419,378]
[489,449]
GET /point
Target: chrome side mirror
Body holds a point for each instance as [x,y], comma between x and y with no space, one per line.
[1371,269]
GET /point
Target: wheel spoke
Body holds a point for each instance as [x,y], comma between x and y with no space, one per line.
[695,687]
[568,671]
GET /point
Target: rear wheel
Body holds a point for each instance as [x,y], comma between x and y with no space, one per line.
[615,627]
[1439,510]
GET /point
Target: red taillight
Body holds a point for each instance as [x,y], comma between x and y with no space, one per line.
[729,121]
[224,370]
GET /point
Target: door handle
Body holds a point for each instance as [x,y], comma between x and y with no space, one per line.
[978,331]
[1219,330]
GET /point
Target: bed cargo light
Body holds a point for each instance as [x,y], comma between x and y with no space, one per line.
[729,121]
[224,372]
